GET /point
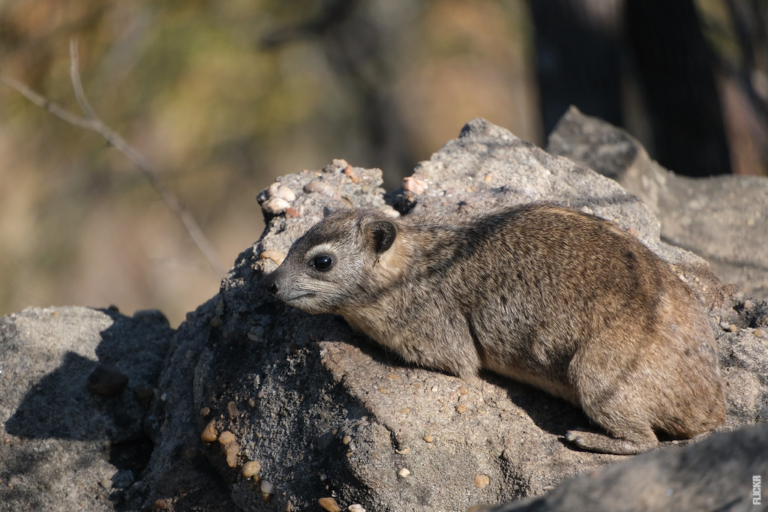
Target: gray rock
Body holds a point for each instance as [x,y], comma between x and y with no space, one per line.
[328,413]
[58,440]
[723,219]
[716,474]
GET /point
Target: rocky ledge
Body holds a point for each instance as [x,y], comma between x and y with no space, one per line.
[254,405]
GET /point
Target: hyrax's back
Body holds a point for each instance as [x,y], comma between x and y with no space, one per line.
[572,304]
[546,295]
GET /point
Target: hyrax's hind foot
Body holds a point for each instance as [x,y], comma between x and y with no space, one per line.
[602,443]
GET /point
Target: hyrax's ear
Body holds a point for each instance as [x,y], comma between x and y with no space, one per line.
[381,233]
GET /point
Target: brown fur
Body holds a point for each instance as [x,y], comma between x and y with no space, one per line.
[545,295]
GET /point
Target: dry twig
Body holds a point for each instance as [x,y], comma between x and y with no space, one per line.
[92,122]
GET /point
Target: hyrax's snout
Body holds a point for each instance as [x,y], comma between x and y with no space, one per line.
[270,283]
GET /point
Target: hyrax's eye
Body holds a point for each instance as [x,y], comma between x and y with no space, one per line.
[322,262]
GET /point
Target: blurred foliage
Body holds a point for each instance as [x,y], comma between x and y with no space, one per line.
[190,85]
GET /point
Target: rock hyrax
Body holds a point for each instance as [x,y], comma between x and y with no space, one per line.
[548,296]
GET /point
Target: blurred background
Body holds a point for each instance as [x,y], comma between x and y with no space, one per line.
[222,97]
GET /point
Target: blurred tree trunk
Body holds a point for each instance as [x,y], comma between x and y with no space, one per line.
[676,70]
[581,46]
[578,59]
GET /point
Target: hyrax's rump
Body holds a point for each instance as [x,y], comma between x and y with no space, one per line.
[545,295]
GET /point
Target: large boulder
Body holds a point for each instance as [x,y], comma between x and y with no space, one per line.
[254,405]
[75,384]
[295,408]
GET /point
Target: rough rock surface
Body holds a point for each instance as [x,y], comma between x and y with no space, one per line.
[327,413]
[716,474]
[723,219]
[301,404]
[63,447]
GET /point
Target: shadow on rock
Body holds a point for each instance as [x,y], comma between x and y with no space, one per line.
[62,400]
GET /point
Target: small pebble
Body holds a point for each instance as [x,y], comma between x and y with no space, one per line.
[292,213]
[272,190]
[275,256]
[725,325]
[205,411]
[463,390]
[758,333]
[232,410]
[251,402]
[251,468]
[733,328]
[329,504]
[428,438]
[324,189]
[461,408]
[355,508]
[107,381]
[393,376]
[404,451]
[226,437]
[488,178]
[339,164]
[275,205]
[232,450]
[349,172]
[209,434]
[267,489]
[405,410]
[404,473]
[482,481]
[414,185]
[346,440]
[285,193]
[748,304]
[383,390]
[389,212]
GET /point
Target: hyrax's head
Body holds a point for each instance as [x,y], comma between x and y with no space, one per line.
[339,263]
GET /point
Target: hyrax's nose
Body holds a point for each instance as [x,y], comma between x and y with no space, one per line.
[271,285]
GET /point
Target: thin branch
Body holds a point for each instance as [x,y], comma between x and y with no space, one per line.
[46,104]
[93,122]
[77,85]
